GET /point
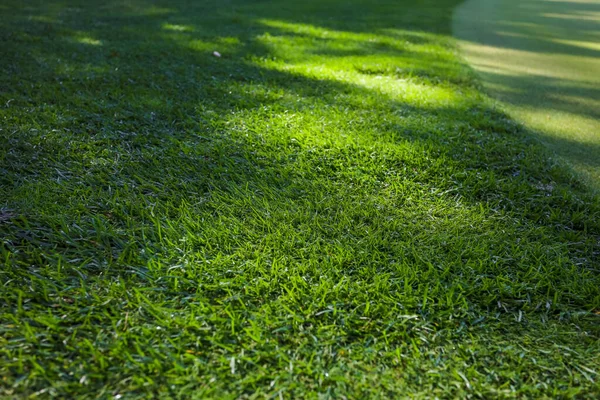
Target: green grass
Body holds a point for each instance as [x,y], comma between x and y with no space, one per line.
[331,209]
[541,59]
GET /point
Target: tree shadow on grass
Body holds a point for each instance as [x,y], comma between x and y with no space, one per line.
[144,107]
[552,94]
[136,155]
[552,27]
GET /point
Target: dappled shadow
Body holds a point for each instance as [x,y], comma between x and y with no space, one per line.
[187,146]
[187,85]
[551,93]
[565,27]
[174,120]
[585,153]
[541,58]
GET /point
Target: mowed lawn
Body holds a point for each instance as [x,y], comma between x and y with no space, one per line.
[541,59]
[326,207]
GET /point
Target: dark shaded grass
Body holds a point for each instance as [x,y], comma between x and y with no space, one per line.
[185,225]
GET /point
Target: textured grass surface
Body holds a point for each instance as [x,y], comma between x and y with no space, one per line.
[331,208]
[541,58]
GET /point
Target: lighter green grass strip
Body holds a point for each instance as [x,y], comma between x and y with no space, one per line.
[540,59]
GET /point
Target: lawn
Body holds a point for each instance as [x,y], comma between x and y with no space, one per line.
[541,59]
[279,199]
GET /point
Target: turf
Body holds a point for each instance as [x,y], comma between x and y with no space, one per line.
[328,207]
[541,59]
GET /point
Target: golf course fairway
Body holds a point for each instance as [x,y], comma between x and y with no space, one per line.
[540,58]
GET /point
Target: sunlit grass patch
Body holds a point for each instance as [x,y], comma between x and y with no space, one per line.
[178,28]
[327,207]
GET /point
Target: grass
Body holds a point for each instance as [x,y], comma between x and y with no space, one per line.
[541,60]
[331,208]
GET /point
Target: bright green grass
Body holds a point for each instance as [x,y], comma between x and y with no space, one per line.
[541,58]
[329,209]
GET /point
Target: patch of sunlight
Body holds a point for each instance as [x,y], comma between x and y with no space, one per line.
[228,41]
[568,131]
[391,88]
[588,16]
[391,52]
[513,34]
[349,47]
[297,28]
[554,93]
[322,33]
[557,123]
[343,57]
[578,43]
[84,38]
[524,62]
[406,90]
[514,23]
[574,1]
[539,36]
[89,40]
[177,28]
